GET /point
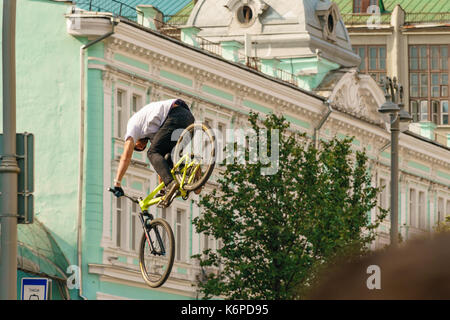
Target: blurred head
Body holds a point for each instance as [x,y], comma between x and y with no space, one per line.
[418,270]
[141,144]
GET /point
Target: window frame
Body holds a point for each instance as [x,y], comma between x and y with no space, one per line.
[120,225]
[214,119]
[384,195]
[134,245]
[181,233]
[426,82]
[139,103]
[421,210]
[377,72]
[121,112]
[412,207]
[441,209]
[125,107]
[418,208]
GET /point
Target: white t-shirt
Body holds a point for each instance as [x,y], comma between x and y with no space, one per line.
[148,120]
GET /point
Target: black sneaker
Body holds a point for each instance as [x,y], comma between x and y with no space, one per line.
[170,191]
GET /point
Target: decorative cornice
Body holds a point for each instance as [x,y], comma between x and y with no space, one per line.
[157,60]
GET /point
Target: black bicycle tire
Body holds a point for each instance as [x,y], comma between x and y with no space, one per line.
[210,167]
[171,255]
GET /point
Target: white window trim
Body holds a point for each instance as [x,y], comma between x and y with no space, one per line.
[213,117]
[126,229]
[418,189]
[422,222]
[441,205]
[444,113]
[384,203]
[184,206]
[124,109]
[183,241]
[127,107]
[123,245]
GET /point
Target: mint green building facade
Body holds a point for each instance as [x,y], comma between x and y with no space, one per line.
[47,82]
[94,233]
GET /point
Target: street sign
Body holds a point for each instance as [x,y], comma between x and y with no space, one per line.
[36,289]
[25,186]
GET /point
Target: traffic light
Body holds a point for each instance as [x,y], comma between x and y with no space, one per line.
[25,186]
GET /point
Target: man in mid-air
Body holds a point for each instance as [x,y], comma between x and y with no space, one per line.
[155,122]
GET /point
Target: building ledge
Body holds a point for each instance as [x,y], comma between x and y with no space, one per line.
[132,277]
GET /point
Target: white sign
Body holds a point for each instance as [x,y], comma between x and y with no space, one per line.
[35,288]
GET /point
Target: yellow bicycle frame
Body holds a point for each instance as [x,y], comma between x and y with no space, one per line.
[150,200]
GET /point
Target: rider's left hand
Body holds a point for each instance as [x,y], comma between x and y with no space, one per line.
[118,191]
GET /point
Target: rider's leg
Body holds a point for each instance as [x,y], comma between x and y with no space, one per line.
[163,143]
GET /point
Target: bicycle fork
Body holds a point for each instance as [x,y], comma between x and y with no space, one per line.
[149,217]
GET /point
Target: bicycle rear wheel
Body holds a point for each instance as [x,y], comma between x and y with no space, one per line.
[199,143]
[156,260]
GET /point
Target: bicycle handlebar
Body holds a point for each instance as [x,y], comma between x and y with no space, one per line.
[131,198]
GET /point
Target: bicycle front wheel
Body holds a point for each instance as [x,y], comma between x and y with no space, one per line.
[156,253]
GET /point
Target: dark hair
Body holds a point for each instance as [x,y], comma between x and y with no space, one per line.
[139,150]
[181,103]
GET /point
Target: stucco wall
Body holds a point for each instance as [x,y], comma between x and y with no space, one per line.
[47,63]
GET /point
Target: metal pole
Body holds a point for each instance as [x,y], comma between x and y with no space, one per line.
[395,130]
[8,168]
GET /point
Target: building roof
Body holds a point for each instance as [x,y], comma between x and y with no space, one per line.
[410,6]
[127,8]
[182,16]
[417,11]
[282,29]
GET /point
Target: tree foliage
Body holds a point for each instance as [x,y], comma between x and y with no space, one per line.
[443,226]
[277,230]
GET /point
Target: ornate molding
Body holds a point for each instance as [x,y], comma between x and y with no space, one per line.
[359,96]
[157,61]
[108,79]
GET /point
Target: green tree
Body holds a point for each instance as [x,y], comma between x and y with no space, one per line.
[276,230]
[443,226]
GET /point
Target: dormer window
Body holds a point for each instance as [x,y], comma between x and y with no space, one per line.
[246,12]
[328,14]
[361,6]
[330,23]
[245,15]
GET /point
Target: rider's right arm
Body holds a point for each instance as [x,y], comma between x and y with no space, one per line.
[125,160]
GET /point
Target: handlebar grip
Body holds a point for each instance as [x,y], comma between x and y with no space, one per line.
[110,189]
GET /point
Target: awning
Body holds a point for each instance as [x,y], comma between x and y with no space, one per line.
[38,252]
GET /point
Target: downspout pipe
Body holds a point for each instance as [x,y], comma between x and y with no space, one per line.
[114,22]
[321,123]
